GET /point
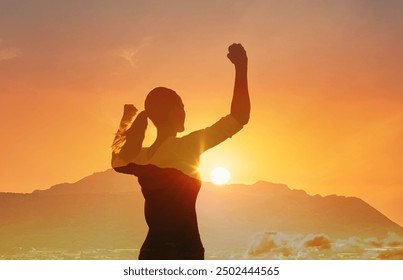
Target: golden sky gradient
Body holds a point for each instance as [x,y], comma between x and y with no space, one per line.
[325,84]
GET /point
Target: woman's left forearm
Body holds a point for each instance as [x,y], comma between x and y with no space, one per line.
[240,106]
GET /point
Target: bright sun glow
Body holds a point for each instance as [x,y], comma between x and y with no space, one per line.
[220,175]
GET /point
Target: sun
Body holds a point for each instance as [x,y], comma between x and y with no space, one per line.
[220,175]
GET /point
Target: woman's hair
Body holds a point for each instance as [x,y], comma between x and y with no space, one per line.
[159,102]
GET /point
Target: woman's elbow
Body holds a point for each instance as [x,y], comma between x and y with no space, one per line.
[118,167]
[116,164]
[243,119]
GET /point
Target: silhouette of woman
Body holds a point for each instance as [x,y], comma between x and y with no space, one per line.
[167,170]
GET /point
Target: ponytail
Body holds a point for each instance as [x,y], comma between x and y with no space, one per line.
[128,141]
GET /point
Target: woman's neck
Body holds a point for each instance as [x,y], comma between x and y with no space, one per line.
[162,135]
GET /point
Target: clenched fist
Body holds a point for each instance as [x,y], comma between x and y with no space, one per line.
[237,55]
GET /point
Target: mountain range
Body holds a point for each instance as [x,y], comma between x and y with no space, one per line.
[105,211]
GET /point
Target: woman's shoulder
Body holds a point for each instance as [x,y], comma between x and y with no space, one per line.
[142,157]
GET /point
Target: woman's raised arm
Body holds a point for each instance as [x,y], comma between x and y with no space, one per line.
[128,141]
[240,106]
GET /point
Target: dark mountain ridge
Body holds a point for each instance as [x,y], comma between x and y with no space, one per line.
[105,210]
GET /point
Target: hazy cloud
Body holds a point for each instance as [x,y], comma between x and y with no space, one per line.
[278,245]
[319,242]
[130,54]
[7,53]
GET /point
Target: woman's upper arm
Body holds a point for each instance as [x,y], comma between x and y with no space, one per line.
[204,139]
[119,161]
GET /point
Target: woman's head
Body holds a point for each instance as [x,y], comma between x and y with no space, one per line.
[165,108]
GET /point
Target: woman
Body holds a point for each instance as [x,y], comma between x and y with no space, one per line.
[167,170]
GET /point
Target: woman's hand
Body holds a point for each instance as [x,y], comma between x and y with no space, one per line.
[237,55]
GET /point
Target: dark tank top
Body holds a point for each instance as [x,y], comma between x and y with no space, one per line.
[170,201]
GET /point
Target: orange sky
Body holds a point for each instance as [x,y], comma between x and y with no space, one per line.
[324,81]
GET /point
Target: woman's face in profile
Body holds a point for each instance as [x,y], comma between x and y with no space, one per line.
[178,116]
